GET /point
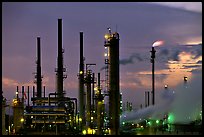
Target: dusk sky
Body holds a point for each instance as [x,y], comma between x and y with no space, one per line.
[139,24]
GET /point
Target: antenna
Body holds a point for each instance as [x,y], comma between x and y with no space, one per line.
[116,28]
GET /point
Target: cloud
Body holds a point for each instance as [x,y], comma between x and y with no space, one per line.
[189,6]
[9,82]
[199,62]
[175,52]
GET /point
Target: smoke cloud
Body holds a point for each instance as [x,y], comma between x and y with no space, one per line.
[155,112]
[184,102]
[130,60]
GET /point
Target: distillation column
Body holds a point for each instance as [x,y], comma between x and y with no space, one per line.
[112,42]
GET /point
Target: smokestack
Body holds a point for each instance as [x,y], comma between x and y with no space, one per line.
[81,82]
[60,68]
[59,62]
[152,61]
[112,42]
[39,77]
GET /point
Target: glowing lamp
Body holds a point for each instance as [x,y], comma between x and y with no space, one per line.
[22,119]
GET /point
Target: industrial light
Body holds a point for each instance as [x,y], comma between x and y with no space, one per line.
[95,88]
[107,36]
[81,72]
[91,131]
[84,132]
[22,119]
[105,54]
[16,93]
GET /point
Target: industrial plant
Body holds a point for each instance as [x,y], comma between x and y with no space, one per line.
[58,114]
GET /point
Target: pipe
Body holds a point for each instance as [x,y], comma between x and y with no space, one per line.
[99,108]
[49,97]
[17,93]
[23,94]
[39,77]
[33,94]
[88,97]
[28,96]
[93,92]
[44,91]
[147,98]
[75,99]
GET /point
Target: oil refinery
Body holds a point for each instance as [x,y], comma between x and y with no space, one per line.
[58,114]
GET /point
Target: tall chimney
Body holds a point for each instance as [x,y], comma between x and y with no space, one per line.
[81,83]
[39,78]
[60,62]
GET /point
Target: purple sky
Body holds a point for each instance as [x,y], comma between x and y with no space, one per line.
[139,26]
